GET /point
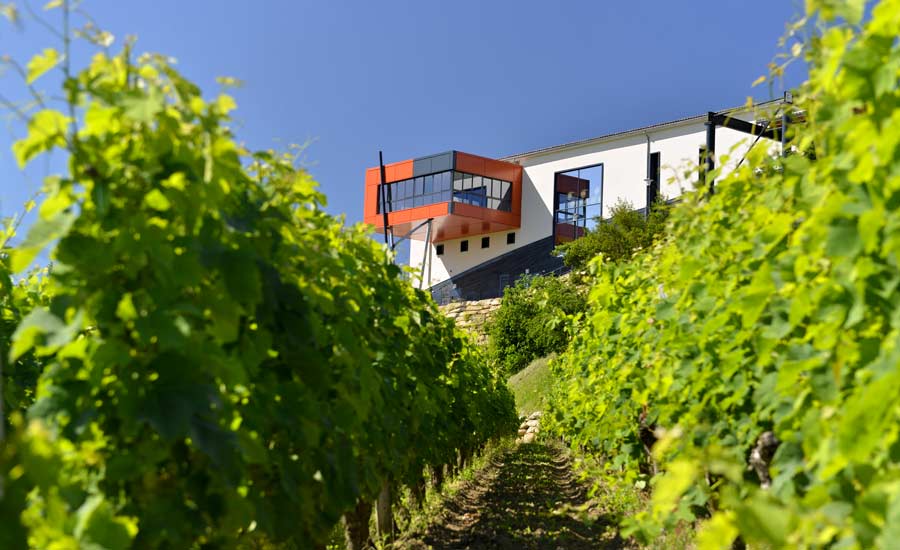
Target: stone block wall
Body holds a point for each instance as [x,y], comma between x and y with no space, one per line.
[472,315]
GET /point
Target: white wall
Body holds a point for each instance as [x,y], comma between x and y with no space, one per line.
[453,262]
[624,162]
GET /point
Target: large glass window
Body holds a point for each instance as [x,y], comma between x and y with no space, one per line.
[448,186]
[578,202]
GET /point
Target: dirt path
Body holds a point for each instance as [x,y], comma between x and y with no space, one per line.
[526,498]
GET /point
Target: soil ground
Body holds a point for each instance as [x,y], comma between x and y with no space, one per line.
[525,498]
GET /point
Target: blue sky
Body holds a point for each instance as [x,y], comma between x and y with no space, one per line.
[419,77]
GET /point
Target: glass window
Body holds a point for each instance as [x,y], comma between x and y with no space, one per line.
[429,184]
[485,242]
[494,203]
[420,183]
[419,200]
[446,181]
[407,189]
[477,181]
[439,249]
[463,246]
[446,196]
[467,181]
[579,198]
[458,181]
[510,238]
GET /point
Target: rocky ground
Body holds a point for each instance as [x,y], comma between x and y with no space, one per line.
[525,498]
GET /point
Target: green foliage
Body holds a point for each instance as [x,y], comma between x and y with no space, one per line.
[531,321]
[19,377]
[770,306]
[223,363]
[617,238]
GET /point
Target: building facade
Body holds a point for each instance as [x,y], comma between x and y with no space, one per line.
[476,224]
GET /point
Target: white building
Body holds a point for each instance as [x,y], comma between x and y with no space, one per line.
[482,223]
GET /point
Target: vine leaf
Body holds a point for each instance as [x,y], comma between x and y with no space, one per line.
[41,63]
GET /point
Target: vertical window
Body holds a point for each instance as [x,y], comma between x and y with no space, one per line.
[510,238]
[578,202]
[439,249]
[654,183]
[463,246]
[485,242]
[506,196]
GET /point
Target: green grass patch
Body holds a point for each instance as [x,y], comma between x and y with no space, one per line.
[531,385]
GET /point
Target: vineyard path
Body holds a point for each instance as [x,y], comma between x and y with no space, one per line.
[526,497]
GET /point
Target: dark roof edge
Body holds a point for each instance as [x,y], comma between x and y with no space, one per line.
[640,130]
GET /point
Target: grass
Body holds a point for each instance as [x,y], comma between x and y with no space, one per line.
[530,385]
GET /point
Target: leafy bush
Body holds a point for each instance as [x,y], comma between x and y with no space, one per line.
[224,364]
[618,237]
[530,322]
[771,309]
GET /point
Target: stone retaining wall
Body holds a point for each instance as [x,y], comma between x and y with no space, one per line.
[472,316]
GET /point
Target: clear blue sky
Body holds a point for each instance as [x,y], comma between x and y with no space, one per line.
[418,77]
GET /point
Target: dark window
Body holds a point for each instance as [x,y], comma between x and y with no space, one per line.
[653,184]
[510,238]
[439,249]
[485,242]
[446,186]
[463,246]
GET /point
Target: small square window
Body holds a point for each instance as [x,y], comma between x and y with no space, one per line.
[510,238]
[463,246]
[439,249]
[485,242]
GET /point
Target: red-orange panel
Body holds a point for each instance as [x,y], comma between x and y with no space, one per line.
[373,177]
[436,210]
[478,213]
[370,203]
[399,171]
[469,163]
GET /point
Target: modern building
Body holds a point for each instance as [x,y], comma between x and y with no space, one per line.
[476,224]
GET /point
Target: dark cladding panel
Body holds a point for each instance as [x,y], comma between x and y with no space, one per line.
[442,162]
[488,279]
[433,164]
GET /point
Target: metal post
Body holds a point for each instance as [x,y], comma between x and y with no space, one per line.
[383,194]
[647,181]
[710,151]
[427,255]
[430,255]
[788,99]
